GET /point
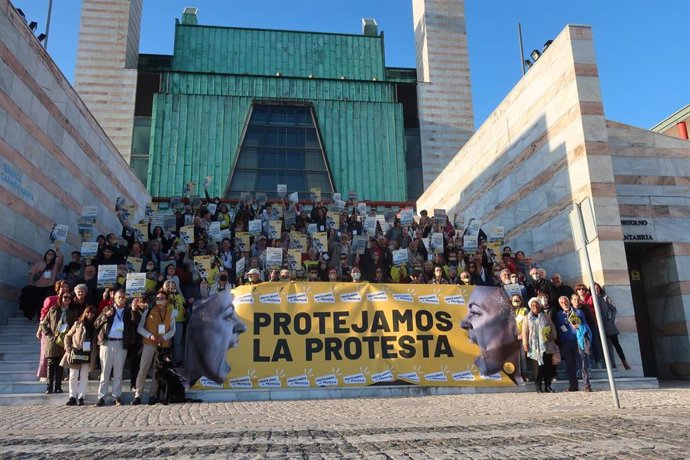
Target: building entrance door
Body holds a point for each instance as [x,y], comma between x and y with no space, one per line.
[651,268]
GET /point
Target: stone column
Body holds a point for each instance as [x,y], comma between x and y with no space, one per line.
[443,82]
[106,72]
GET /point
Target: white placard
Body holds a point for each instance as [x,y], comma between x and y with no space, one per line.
[281,190]
[89,250]
[274,257]
[107,276]
[214,231]
[59,233]
[400,257]
[255,227]
[136,284]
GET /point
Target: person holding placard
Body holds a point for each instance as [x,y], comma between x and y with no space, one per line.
[157,328]
[54,327]
[115,333]
[80,355]
[42,277]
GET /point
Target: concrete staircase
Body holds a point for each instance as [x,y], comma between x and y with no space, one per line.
[19,351]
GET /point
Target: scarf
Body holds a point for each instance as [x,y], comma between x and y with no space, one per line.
[539,332]
[584,337]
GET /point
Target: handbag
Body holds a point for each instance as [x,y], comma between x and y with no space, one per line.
[556,358]
[79,356]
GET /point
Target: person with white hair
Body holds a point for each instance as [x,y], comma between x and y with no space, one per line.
[539,343]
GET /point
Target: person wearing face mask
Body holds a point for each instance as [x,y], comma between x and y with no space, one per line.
[453,277]
[541,284]
[356,274]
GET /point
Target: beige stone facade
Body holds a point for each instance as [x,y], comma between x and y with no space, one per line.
[54,157]
[106,73]
[548,145]
[443,82]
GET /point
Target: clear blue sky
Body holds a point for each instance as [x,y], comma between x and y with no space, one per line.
[642,46]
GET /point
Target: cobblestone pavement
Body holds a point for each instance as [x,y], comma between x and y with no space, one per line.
[651,424]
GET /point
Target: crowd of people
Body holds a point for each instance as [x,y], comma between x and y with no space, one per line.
[84,325]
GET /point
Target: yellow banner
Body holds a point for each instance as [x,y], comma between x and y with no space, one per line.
[291,335]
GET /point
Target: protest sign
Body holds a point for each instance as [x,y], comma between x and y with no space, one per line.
[359,244]
[134,264]
[437,242]
[400,257]
[239,267]
[281,190]
[274,229]
[135,285]
[107,276]
[89,214]
[406,217]
[141,232]
[89,250]
[315,193]
[298,241]
[320,241]
[294,258]
[187,234]
[242,241]
[440,217]
[59,233]
[214,231]
[255,227]
[202,265]
[370,225]
[274,257]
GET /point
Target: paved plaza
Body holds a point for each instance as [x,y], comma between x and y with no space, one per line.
[650,424]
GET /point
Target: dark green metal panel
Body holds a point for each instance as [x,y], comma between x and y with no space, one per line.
[296,88]
[266,52]
[200,113]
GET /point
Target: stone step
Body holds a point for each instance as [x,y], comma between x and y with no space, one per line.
[34,346]
[20,366]
[38,398]
[11,375]
[35,386]
[21,321]
[30,356]
[29,329]
[12,337]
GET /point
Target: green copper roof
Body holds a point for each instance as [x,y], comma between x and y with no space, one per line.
[268,52]
[200,112]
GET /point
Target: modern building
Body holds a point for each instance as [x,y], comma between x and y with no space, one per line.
[254,108]
[548,145]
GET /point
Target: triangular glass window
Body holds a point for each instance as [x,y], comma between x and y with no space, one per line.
[281,145]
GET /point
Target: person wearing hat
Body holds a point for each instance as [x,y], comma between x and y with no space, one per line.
[254,276]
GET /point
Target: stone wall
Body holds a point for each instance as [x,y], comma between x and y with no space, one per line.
[542,149]
[652,175]
[55,159]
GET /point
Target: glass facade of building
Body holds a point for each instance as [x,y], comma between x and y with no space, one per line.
[281,145]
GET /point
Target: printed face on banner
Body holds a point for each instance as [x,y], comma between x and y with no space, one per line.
[212,330]
[431,335]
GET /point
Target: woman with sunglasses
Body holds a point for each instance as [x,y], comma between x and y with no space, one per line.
[80,355]
[55,326]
